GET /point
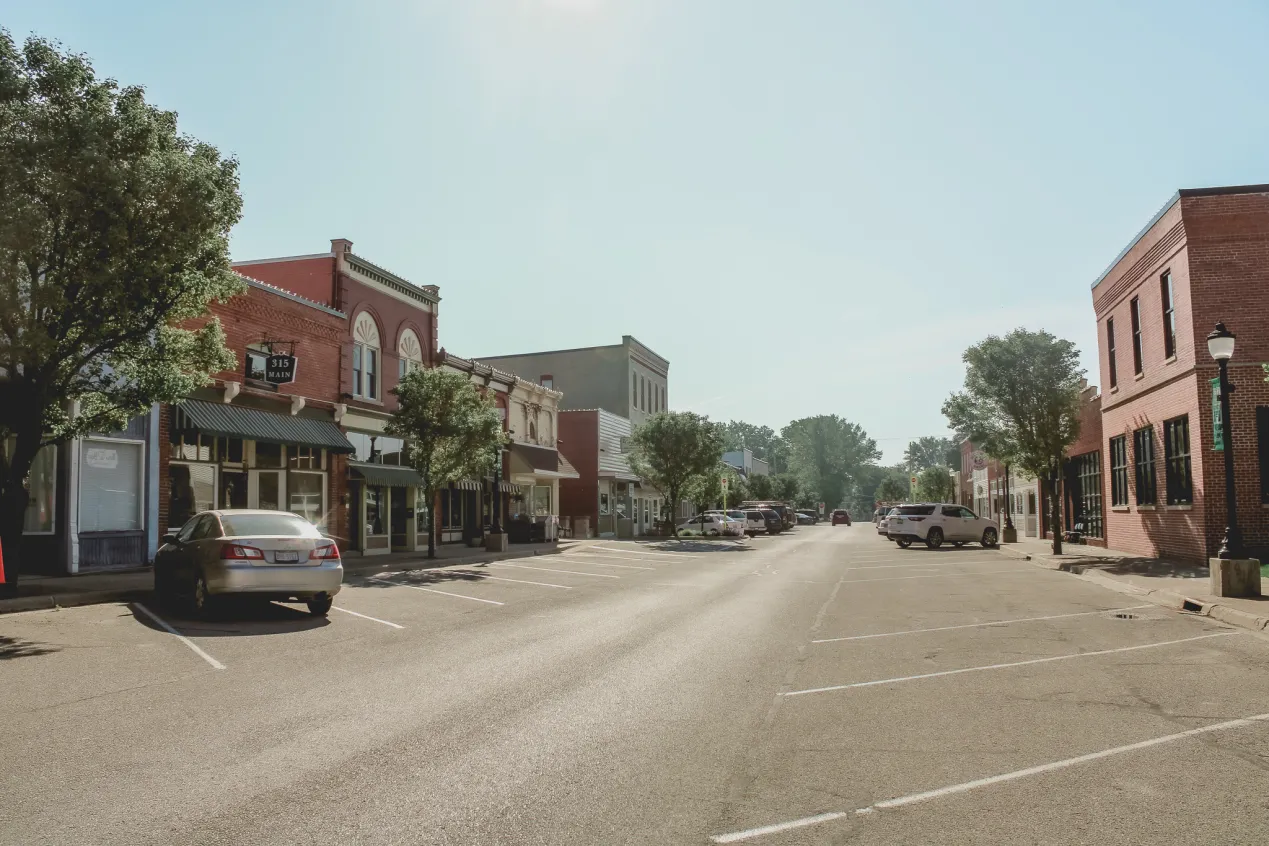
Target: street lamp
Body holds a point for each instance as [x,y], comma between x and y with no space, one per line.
[1220,343]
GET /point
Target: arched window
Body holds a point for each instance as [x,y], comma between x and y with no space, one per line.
[365,356]
[409,352]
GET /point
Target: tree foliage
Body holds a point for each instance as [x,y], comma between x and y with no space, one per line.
[113,232]
[1021,404]
[452,431]
[760,488]
[894,487]
[762,441]
[934,484]
[705,491]
[931,452]
[670,448]
[825,453]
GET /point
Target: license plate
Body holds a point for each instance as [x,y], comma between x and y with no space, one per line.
[286,557]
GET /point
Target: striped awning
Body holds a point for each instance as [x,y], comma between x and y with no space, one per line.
[466,485]
[254,424]
[385,474]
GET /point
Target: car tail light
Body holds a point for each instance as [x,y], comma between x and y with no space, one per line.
[238,552]
[915,519]
[326,552]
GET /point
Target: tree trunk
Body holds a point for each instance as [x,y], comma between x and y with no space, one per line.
[431,513]
[13,502]
[1055,508]
[672,507]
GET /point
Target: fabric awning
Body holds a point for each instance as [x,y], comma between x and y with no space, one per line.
[385,474]
[465,485]
[238,422]
[543,462]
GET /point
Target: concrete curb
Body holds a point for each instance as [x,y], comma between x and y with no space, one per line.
[1165,598]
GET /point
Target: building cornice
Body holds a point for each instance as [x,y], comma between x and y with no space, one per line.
[367,271]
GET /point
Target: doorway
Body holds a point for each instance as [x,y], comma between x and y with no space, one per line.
[266,489]
[233,489]
[398,522]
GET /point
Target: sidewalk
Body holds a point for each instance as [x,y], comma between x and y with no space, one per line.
[40,592]
[1181,587]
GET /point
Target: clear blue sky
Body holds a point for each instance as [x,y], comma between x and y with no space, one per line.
[807,207]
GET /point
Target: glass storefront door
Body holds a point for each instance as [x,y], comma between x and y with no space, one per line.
[266,489]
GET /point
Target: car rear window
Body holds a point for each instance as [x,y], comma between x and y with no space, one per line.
[286,525]
[754,515]
[739,515]
[916,509]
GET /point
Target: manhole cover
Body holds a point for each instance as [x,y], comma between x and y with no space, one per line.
[1124,615]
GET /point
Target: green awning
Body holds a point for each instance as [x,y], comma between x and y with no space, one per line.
[238,422]
[385,474]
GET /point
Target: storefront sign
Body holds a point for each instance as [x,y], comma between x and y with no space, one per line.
[280,369]
[979,459]
[1218,425]
[102,459]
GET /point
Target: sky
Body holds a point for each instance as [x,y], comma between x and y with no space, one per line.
[808,207]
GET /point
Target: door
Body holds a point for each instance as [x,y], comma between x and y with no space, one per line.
[266,489]
[398,523]
[233,489]
[952,522]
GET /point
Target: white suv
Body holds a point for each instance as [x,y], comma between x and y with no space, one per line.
[937,523]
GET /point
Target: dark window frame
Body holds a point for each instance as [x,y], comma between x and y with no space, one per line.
[1110,350]
[1146,475]
[1179,470]
[1135,307]
[1089,472]
[1119,471]
[1262,436]
[1166,296]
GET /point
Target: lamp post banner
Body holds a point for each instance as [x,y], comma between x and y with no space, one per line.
[1218,423]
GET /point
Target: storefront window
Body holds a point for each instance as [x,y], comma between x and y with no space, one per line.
[306,458]
[233,489]
[605,508]
[306,496]
[43,489]
[542,501]
[193,489]
[452,509]
[187,447]
[420,512]
[268,455]
[374,510]
[110,487]
[230,450]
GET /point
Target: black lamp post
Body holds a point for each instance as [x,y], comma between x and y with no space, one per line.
[1220,343]
[496,528]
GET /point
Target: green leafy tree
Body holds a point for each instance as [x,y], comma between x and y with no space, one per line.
[931,452]
[762,441]
[114,233]
[452,431]
[894,487]
[863,489]
[670,448]
[706,490]
[825,453]
[934,484]
[761,488]
[785,487]
[1021,404]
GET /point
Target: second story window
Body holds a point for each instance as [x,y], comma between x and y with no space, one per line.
[409,353]
[634,390]
[365,358]
[1110,351]
[1169,315]
[546,380]
[254,363]
[1136,336]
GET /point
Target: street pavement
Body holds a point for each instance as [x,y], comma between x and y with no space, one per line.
[821,687]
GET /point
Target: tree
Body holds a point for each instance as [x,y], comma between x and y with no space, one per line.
[1021,404]
[761,488]
[706,490]
[825,452]
[785,487]
[893,488]
[114,232]
[934,484]
[762,441]
[670,448]
[930,452]
[452,431]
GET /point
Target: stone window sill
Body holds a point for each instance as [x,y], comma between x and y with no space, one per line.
[1138,377]
[1146,507]
[1178,507]
[1114,389]
[1123,509]
[1170,359]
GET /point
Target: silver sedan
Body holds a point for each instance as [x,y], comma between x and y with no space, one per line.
[266,554]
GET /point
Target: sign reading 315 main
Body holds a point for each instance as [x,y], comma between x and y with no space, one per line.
[280,369]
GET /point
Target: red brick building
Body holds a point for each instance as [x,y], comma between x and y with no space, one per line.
[1084,482]
[391,328]
[1203,258]
[244,442]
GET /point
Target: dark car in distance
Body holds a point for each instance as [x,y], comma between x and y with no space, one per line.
[841,516]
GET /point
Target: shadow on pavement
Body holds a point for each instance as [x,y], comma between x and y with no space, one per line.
[12,647]
[234,617]
[422,578]
[697,546]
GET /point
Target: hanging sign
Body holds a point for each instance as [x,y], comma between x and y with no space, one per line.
[280,369]
[1218,425]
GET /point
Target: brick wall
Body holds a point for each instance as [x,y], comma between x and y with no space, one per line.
[313,278]
[579,442]
[392,316]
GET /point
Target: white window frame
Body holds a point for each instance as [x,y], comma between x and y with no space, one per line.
[141,492]
[366,339]
[409,359]
[290,491]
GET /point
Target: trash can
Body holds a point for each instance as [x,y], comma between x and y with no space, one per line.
[581,527]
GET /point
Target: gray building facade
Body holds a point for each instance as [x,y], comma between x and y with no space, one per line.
[626,379]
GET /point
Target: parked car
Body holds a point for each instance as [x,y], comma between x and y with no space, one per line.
[785,512]
[841,516]
[757,523]
[804,519]
[709,525]
[733,521]
[272,555]
[882,520]
[775,523]
[938,523]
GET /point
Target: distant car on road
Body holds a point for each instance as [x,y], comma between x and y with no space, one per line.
[938,523]
[270,555]
[841,516]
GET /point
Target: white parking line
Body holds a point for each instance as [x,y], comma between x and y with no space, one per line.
[606,555]
[965,787]
[1004,666]
[644,551]
[442,592]
[182,638]
[523,582]
[549,570]
[610,564]
[980,625]
[367,617]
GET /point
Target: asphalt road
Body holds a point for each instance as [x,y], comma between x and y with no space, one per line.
[823,687]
